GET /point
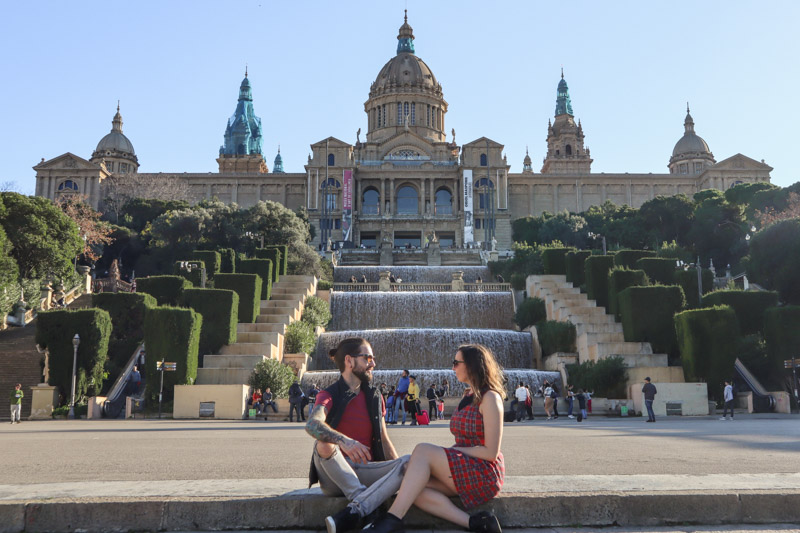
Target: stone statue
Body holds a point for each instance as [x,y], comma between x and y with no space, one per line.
[386,238]
[453,131]
[358,135]
[494,244]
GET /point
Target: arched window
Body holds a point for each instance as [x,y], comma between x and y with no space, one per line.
[444,202]
[331,160]
[485,191]
[331,195]
[371,202]
[68,186]
[483,160]
[407,201]
[568,150]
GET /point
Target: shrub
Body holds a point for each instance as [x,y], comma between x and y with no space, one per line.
[596,268]
[227,260]
[554,260]
[211,259]
[273,374]
[262,267]
[192,275]
[317,312]
[774,256]
[324,285]
[607,377]
[518,281]
[55,330]
[575,266]
[749,306]
[248,287]
[167,290]
[659,270]
[753,352]
[556,336]
[530,312]
[274,255]
[628,258]
[620,279]
[648,316]
[283,267]
[299,338]
[708,339]
[220,311]
[171,334]
[687,279]
[127,311]
[782,334]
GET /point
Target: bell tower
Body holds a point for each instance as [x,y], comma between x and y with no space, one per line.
[243,137]
[565,151]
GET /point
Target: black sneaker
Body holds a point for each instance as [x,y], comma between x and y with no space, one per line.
[345,520]
[388,524]
[484,522]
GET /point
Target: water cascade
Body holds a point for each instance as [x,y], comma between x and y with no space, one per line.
[378,310]
[412,274]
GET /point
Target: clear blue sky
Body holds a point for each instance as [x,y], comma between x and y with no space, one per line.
[176,67]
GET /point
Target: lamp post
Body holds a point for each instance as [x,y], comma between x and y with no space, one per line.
[598,236]
[189,265]
[76,340]
[699,269]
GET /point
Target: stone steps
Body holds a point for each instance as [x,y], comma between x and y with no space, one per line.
[216,362]
[261,327]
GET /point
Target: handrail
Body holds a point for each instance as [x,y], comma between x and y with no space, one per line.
[422,287]
[118,388]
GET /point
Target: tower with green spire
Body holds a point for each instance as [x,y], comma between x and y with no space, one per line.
[566,153]
[241,151]
[563,103]
[277,167]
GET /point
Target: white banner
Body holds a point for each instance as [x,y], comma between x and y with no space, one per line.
[468,221]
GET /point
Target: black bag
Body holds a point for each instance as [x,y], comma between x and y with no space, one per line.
[509,416]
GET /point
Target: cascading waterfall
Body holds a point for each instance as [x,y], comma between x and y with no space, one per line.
[412,274]
[378,310]
[428,347]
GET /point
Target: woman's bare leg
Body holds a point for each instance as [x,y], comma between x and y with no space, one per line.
[438,504]
[428,462]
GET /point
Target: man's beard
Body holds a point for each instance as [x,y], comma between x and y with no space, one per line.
[364,375]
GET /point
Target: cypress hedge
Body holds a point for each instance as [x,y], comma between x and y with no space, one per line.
[556,336]
[648,316]
[167,290]
[248,287]
[575,266]
[211,259]
[220,311]
[659,270]
[620,279]
[193,276]
[596,269]
[262,267]
[171,334]
[127,311]
[554,260]
[708,339]
[530,312]
[628,258]
[749,306]
[55,330]
[782,333]
[687,279]
[227,260]
[274,255]
[283,267]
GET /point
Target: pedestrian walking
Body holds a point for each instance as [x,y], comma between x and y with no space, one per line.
[16,403]
[649,391]
[581,405]
[431,395]
[547,392]
[728,397]
[522,397]
[570,400]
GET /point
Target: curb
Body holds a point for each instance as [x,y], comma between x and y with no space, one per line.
[291,511]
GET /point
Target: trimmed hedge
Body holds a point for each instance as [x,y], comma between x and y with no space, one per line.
[55,330]
[620,279]
[248,287]
[648,316]
[211,259]
[283,267]
[575,266]
[596,269]
[127,311]
[299,338]
[687,279]
[518,280]
[324,285]
[554,260]
[171,334]
[749,306]
[659,270]
[261,267]
[530,312]
[782,333]
[628,258]
[274,255]
[708,340]
[227,260]
[556,336]
[317,312]
[167,290]
[220,311]
[193,276]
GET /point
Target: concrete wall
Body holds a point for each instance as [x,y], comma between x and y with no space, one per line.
[661,374]
[693,398]
[230,400]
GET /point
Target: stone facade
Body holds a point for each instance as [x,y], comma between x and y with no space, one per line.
[407,180]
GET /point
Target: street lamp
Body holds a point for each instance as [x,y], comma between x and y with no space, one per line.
[189,265]
[699,269]
[76,340]
[598,236]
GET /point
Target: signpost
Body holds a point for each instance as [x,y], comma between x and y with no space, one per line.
[163,366]
[792,363]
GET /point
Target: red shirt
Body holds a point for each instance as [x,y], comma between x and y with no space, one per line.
[355,422]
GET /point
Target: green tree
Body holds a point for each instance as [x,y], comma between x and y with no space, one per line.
[743,194]
[8,274]
[565,227]
[718,231]
[136,213]
[280,225]
[668,218]
[774,259]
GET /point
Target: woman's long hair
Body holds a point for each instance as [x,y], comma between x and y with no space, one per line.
[483,370]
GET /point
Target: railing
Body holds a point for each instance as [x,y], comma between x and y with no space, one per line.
[487,287]
[421,287]
[355,287]
[115,400]
[112,285]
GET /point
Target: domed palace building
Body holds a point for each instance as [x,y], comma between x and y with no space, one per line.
[407,179]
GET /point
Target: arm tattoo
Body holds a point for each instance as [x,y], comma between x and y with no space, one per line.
[320,430]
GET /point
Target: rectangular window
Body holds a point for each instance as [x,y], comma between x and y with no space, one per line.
[379,116]
[338,223]
[405,112]
[399,114]
[413,114]
[384,114]
[123,167]
[698,168]
[428,116]
[684,168]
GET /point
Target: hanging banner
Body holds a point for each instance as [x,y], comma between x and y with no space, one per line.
[347,204]
[468,221]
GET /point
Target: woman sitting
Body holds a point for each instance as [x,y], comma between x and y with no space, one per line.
[473,469]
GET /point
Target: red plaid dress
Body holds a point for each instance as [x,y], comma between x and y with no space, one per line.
[477,481]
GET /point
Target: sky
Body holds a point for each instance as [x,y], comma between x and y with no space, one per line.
[175,66]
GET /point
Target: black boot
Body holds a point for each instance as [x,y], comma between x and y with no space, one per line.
[485,522]
[388,524]
[345,520]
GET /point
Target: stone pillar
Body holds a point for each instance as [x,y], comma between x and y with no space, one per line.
[85,272]
[382,203]
[392,209]
[433,196]
[434,254]
[47,297]
[384,285]
[386,251]
[43,398]
[457,284]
